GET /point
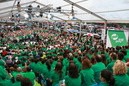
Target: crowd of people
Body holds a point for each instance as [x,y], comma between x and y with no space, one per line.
[41,57]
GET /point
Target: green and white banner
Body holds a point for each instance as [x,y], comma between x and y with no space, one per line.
[116,38]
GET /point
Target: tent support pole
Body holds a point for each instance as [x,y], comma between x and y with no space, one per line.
[86,10]
[80,30]
[105,27]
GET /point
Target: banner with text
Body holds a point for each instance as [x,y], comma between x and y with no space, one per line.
[116,38]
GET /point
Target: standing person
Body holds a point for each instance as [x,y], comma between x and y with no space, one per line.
[120,74]
[73,78]
[87,73]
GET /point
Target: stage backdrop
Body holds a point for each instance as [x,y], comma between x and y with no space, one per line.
[116,38]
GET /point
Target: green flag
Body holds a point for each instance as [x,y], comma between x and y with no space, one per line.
[117,38]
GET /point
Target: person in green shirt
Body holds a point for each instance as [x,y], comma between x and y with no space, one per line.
[106,78]
[57,74]
[111,64]
[87,73]
[17,81]
[3,74]
[77,61]
[26,82]
[29,74]
[73,78]
[54,63]
[17,72]
[33,65]
[98,67]
[120,56]
[2,62]
[47,72]
[120,73]
[65,62]
[126,57]
[6,82]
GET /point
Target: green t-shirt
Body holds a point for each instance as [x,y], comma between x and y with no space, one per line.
[128,71]
[79,65]
[56,77]
[2,63]
[15,73]
[64,69]
[42,67]
[97,68]
[82,48]
[33,66]
[87,76]
[29,75]
[3,74]
[44,49]
[73,81]
[110,65]
[44,71]
[108,59]
[121,80]
[89,55]
[5,83]
[53,65]
[65,62]
[127,50]
[17,83]
[126,57]
[37,67]
[103,84]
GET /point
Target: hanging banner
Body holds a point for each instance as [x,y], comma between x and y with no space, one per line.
[116,38]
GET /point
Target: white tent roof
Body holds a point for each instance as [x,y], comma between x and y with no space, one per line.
[111,10]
